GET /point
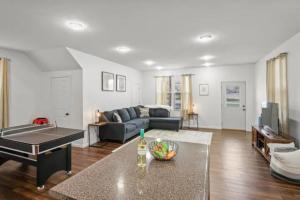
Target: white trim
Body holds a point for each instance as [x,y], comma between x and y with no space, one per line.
[7,136]
[20,128]
[17,156]
[30,153]
[54,148]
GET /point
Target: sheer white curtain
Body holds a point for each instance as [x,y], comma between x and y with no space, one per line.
[186,95]
[277,89]
[163,90]
[3,93]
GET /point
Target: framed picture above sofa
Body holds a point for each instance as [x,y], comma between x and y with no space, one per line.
[120,83]
[107,81]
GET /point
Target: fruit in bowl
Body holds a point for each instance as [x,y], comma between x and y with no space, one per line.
[163,149]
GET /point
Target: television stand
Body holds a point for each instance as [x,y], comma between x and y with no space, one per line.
[261,138]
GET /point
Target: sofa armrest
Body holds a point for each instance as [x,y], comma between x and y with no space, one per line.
[113,131]
[289,159]
[272,146]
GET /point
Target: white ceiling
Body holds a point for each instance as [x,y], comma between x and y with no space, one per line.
[163,31]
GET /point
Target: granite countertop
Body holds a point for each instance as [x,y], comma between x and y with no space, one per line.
[118,177]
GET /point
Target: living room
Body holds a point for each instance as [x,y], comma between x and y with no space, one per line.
[214,81]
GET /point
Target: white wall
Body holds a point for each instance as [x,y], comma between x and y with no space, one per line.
[24,87]
[93,97]
[208,107]
[292,47]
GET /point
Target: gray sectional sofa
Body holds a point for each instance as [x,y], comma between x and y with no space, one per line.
[131,124]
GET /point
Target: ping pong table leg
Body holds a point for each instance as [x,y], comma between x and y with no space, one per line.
[51,162]
[69,159]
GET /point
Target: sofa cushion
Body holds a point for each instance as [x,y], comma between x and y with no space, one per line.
[130,127]
[273,146]
[289,159]
[159,112]
[132,113]
[145,121]
[124,115]
[137,122]
[108,115]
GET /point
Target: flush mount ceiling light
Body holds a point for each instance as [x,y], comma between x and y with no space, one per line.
[205,38]
[159,67]
[208,64]
[123,49]
[207,57]
[76,25]
[149,62]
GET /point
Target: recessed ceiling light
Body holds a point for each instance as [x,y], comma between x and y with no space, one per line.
[149,62]
[205,38]
[123,49]
[208,64]
[159,67]
[207,57]
[76,25]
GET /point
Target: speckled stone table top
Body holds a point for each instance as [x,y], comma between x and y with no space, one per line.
[118,177]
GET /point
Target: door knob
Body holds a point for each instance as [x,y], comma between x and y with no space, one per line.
[67,114]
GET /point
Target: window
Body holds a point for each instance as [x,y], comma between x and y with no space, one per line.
[177,93]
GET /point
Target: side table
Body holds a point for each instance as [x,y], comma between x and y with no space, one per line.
[97,126]
[193,116]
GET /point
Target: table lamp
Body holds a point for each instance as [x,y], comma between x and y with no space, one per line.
[97,116]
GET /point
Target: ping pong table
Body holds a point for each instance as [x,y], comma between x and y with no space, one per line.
[46,147]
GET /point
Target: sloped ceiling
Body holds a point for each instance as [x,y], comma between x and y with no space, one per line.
[54,59]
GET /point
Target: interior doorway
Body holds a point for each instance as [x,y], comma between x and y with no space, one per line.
[234,105]
[61,100]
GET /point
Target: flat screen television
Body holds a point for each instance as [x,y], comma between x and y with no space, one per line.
[269,117]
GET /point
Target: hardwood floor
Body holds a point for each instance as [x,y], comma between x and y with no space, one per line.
[237,172]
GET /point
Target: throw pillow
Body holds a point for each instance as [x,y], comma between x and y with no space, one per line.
[132,113]
[137,111]
[124,115]
[117,118]
[144,112]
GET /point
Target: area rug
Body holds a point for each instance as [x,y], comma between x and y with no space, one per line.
[182,136]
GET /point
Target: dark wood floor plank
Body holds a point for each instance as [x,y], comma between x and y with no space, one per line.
[237,172]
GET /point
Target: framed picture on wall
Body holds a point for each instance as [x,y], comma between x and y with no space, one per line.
[107,81]
[203,90]
[120,83]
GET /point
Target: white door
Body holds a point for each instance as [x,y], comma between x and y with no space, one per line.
[234,105]
[60,100]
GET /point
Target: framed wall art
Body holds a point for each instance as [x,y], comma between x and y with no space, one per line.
[107,81]
[203,90]
[120,83]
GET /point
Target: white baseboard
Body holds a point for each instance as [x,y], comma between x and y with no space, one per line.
[211,127]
